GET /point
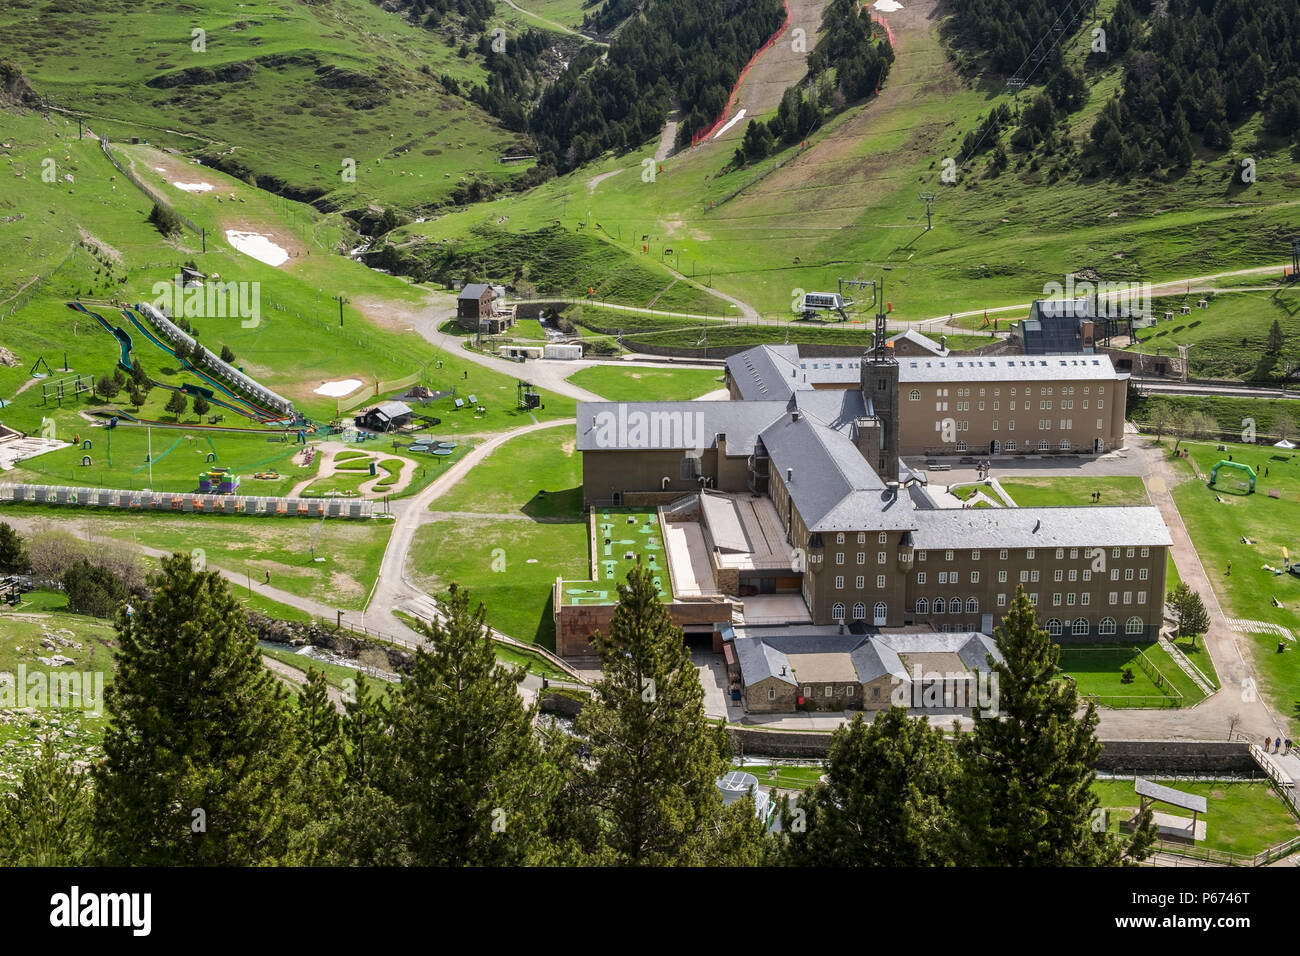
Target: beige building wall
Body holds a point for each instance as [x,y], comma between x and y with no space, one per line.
[1074,411]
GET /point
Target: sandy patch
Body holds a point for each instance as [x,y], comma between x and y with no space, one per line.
[257,246]
[340,388]
[569,447]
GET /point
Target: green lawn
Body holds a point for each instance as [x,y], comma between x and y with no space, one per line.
[538,474]
[625,537]
[648,384]
[784,777]
[1244,817]
[1098,670]
[1217,520]
[1075,490]
[508,565]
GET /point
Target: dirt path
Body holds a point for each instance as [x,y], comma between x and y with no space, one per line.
[293,675]
[595,181]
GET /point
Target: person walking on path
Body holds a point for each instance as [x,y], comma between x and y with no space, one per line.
[268,576]
[1229,569]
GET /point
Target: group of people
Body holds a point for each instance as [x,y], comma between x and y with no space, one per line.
[1279,745]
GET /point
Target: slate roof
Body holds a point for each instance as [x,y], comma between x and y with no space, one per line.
[1006,368]
[924,341]
[741,422]
[474,291]
[391,410]
[1061,527]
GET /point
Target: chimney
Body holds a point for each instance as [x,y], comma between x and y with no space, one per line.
[794,416]
[782,670]
[789,475]
[1038,524]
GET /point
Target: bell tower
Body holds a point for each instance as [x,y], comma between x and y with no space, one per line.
[880,394]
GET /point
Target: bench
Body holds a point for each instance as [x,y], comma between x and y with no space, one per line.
[940,467]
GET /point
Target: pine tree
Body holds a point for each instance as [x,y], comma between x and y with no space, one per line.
[1189,612]
[885,799]
[1024,796]
[227,354]
[199,766]
[13,552]
[650,780]
[201,405]
[468,777]
[176,404]
[46,820]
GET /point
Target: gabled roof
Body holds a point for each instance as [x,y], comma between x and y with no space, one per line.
[1005,368]
[1061,527]
[625,426]
[924,341]
[391,410]
[474,291]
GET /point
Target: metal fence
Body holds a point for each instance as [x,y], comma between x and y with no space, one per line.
[148,190]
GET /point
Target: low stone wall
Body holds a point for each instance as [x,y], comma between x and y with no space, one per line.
[1117,756]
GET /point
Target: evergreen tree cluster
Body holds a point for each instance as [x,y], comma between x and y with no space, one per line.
[1193,72]
[210,762]
[615,98]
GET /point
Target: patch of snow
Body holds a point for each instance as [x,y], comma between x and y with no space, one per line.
[194,187]
[258,246]
[887,6]
[730,123]
[340,388]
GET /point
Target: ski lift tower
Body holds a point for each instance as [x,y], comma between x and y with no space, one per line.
[1015,84]
[1295,258]
[880,395]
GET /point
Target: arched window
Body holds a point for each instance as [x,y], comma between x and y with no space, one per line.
[1107,626]
[882,612]
[1080,627]
[954,606]
[1010,445]
[1065,444]
[859,611]
[1134,626]
[939,606]
[914,395]
[961,446]
[922,606]
[1044,444]
[972,606]
[837,612]
[1054,627]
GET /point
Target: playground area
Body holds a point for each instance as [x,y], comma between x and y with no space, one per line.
[347,472]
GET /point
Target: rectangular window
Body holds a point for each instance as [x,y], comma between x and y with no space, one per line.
[1128,574]
[1128,597]
[1002,600]
[862,537]
[771,693]
[1002,577]
[1114,574]
[947,555]
[1114,598]
[839,538]
[1128,552]
[880,580]
[974,577]
[1029,554]
[839,557]
[1074,574]
[1087,575]
[1142,597]
[839,583]
[920,555]
[975,555]
[1058,575]
[997,406]
[1060,553]
[1142,574]
[860,582]
[862,557]
[1002,555]
[1146,552]
[1069,598]
[920,577]
[883,539]
[1074,554]
[1033,576]
[1033,599]
[1085,598]
[1056,599]
[1024,577]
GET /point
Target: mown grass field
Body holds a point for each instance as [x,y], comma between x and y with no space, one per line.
[648,384]
[509,566]
[1241,816]
[1217,520]
[1098,669]
[1076,491]
[538,474]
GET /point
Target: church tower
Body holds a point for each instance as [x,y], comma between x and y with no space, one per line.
[880,394]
